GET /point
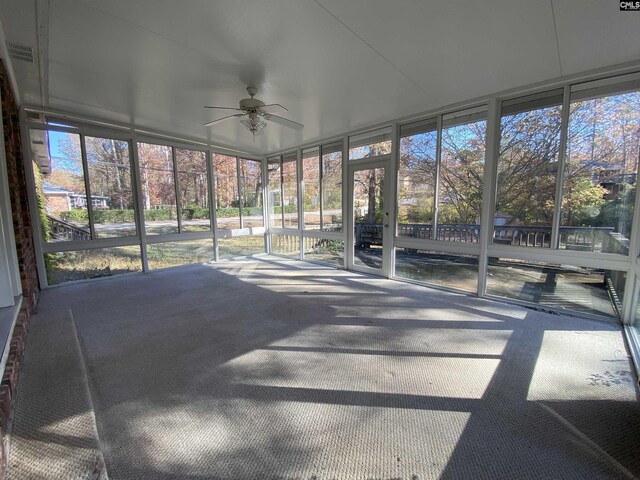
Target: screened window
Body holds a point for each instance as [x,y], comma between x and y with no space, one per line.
[241,246]
[60,186]
[417,179]
[193,190]
[331,187]
[239,210]
[311,178]
[274,171]
[324,251]
[438,268]
[110,186]
[461,173]
[559,286]
[322,174]
[599,186]
[251,193]
[225,170]
[290,191]
[158,187]
[527,169]
[440,184]
[370,144]
[92,263]
[170,254]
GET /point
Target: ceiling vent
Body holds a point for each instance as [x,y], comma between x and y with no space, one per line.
[20,52]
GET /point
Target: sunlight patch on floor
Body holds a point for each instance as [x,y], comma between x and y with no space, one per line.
[429,376]
[419,341]
[597,372]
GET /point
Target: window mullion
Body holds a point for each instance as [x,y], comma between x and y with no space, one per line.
[321,187]
[139,202]
[282,191]
[240,192]
[489,188]
[564,133]
[436,190]
[177,189]
[87,187]
[266,203]
[300,200]
[213,218]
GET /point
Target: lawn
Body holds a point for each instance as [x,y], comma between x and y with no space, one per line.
[104,262]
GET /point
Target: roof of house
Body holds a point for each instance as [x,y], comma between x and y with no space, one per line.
[52,189]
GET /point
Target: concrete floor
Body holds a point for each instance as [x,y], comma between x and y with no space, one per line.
[281,369]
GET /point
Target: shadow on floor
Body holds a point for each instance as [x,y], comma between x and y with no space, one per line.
[267,369]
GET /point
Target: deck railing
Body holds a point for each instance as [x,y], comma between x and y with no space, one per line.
[290,244]
[572,238]
[63,231]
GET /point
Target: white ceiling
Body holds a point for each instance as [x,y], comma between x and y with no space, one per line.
[336,64]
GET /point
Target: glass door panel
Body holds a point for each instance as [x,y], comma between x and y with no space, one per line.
[370,219]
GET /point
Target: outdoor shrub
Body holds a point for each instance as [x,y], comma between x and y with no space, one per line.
[114,216]
[195,212]
[190,212]
[159,214]
[291,208]
[234,212]
[75,216]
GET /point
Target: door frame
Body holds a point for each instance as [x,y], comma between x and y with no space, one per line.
[384,162]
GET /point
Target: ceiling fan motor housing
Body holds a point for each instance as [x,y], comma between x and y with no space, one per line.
[249,104]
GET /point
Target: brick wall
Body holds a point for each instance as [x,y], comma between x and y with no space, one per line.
[18,193]
[26,258]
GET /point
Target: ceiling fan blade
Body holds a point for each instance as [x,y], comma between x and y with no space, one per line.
[224,118]
[284,122]
[276,105]
[224,108]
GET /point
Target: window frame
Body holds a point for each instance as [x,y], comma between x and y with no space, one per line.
[132,138]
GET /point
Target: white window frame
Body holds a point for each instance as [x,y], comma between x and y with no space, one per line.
[141,239]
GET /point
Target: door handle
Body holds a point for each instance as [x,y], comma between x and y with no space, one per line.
[386,225]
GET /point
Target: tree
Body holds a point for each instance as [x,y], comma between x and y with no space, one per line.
[417,176]
[69,180]
[66,168]
[108,165]
[191,166]
[527,165]
[156,176]
[461,173]
[603,149]
[581,201]
[331,180]
[226,176]
[110,171]
[251,183]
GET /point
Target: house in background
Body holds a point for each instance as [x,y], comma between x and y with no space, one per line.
[59,199]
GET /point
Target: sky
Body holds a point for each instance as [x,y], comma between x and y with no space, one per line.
[54,142]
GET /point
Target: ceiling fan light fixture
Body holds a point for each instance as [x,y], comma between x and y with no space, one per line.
[253,115]
[254,124]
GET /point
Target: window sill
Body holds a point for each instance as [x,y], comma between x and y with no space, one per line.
[8,317]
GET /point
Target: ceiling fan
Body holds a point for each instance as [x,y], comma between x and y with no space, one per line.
[253,114]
